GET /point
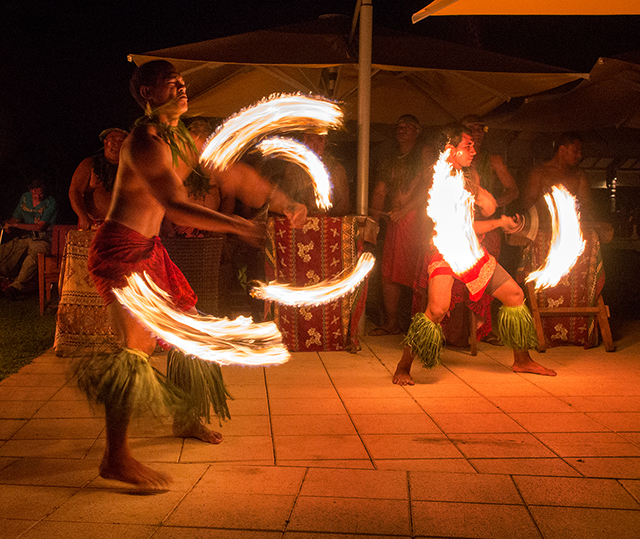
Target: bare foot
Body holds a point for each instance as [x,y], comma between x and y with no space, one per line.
[132,471]
[533,368]
[402,378]
[195,429]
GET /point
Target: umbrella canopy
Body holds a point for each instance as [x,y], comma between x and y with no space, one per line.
[610,98]
[437,81]
[530,7]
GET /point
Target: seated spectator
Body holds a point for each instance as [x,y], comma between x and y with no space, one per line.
[30,231]
[92,181]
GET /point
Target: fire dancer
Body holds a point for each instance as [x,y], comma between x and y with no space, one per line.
[154,161]
[424,338]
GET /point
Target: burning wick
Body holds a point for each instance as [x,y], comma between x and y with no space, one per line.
[320,293]
[567,242]
[277,114]
[296,152]
[451,209]
[224,341]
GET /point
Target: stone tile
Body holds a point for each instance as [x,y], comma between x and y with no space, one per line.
[456,405]
[574,492]
[586,523]
[455,423]
[291,391]
[13,528]
[48,429]
[354,464]
[506,389]
[35,380]
[306,406]
[66,449]
[613,467]
[398,405]
[558,422]
[513,445]
[16,393]
[252,480]
[68,409]
[589,444]
[459,465]
[147,449]
[69,393]
[391,485]
[45,367]
[250,449]
[206,507]
[109,506]
[524,466]
[440,519]
[368,389]
[394,424]
[618,421]
[31,502]
[633,487]
[239,407]
[19,409]
[247,391]
[169,532]
[315,425]
[531,404]
[409,446]
[604,404]
[441,390]
[9,427]
[467,488]
[350,515]
[311,535]
[49,472]
[334,447]
[254,425]
[81,530]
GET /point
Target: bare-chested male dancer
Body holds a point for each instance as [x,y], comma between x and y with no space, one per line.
[154,161]
[424,338]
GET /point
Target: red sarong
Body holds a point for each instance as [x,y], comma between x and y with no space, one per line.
[476,279]
[118,251]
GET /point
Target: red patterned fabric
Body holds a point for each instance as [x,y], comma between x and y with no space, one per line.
[403,246]
[581,287]
[322,248]
[118,251]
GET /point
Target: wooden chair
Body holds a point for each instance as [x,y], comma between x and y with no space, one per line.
[49,265]
[584,276]
[600,311]
[199,261]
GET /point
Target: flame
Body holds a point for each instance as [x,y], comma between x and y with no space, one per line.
[227,342]
[451,209]
[278,113]
[320,293]
[567,242]
[296,152]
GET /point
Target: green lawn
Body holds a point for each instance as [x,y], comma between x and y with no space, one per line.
[24,334]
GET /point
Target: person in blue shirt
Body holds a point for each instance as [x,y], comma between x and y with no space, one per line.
[30,230]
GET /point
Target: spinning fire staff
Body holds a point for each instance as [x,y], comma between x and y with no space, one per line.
[457,254]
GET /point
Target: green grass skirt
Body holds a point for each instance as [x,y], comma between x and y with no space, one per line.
[426,340]
[126,380]
[516,329]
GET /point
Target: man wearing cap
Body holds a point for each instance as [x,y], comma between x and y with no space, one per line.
[92,181]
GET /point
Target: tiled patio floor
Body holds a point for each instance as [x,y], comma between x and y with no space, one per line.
[326,446]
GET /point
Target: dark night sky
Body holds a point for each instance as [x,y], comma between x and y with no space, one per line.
[65,69]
